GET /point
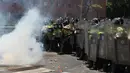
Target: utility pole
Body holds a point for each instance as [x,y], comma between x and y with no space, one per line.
[81,9]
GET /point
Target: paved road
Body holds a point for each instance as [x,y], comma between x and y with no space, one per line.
[53,63]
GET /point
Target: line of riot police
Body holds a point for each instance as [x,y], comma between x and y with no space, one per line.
[59,35]
[103,44]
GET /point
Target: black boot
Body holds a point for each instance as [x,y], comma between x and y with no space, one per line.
[86,62]
[81,57]
[77,52]
[94,67]
[90,64]
[60,53]
[73,53]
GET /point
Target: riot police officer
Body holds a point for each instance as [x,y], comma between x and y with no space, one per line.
[69,35]
[75,21]
[118,27]
[93,29]
[47,37]
[73,36]
[119,31]
[67,31]
[58,36]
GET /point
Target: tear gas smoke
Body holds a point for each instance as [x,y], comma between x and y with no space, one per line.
[20,47]
[3,22]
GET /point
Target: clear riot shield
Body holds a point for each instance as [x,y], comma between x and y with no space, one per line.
[102,50]
[110,41]
[86,29]
[93,42]
[93,47]
[81,35]
[106,40]
[122,44]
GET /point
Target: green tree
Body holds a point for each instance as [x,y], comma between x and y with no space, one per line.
[118,8]
[96,7]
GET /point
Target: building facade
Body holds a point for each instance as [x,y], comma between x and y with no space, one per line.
[74,8]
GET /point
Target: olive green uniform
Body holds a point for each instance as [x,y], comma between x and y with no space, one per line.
[67,32]
[57,34]
[48,38]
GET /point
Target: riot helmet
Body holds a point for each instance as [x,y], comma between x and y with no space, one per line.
[65,22]
[85,19]
[118,21]
[68,19]
[121,21]
[76,20]
[58,21]
[61,19]
[72,21]
[50,30]
[51,21]
[55,26]
[95,20]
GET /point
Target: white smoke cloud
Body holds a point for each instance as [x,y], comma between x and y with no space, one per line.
[3,21]
[20,47]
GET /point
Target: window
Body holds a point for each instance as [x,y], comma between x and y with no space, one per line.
[45,3]
[69,5]
[64,5]
[58,4]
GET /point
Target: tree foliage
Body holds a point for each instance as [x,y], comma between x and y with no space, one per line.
[96,6]
[118,8]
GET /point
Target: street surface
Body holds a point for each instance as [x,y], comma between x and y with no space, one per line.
[52,63]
